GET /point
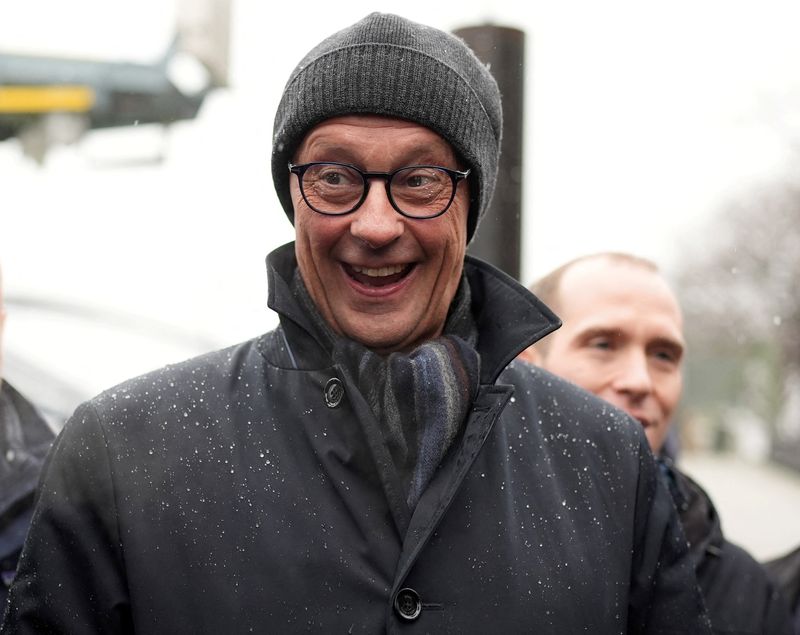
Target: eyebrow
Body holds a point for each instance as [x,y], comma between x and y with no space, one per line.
[674,345]
[598,331]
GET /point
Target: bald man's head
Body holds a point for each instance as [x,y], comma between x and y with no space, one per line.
[547,287]
[622,336]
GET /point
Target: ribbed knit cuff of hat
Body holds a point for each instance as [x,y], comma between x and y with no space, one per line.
[387,65]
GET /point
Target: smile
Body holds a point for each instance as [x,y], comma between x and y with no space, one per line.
[380,272]
[378,276]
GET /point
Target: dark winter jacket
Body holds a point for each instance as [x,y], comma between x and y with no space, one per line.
[249,491]
[739,596]
[25,439]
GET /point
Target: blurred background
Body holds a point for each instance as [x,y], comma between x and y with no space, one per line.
[136,203]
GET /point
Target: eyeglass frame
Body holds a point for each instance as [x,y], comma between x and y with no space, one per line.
[456,176]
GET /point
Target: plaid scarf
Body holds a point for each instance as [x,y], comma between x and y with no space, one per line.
[420,398]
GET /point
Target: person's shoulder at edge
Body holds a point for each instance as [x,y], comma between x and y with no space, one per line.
[578,407]
[726,567]
[178,377]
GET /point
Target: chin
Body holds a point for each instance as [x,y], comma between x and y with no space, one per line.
[383,343]
[655,439]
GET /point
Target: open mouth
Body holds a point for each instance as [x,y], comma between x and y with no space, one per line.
[378,276]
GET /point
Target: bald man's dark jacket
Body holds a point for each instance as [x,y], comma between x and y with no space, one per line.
[250,490]
[739,595]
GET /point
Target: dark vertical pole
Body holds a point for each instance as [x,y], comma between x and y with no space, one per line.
[499,234]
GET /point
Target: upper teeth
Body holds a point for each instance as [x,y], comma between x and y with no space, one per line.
[380,271]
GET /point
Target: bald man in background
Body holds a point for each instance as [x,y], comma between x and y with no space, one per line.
[622,339]
[25,438]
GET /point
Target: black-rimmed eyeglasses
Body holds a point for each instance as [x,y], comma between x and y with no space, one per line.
[416,191]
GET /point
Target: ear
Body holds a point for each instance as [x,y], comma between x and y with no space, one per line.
[531,355]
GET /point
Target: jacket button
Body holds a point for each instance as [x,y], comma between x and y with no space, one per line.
[334,392]
[407,604]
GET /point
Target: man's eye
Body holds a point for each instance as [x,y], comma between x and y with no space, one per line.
[666,355]
[332,178]
[416,180]
[421,177]
[601,343]
[325,175]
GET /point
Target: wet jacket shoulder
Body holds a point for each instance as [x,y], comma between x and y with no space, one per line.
[738,593]
[249,490]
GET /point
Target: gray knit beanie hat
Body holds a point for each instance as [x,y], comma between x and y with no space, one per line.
[387,65]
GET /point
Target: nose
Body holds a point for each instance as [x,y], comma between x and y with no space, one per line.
[632,376]
[376,222]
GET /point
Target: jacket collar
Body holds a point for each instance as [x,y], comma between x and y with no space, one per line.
[509,317]
[699,518]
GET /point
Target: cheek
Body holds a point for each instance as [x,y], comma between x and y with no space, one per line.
[311,249]
[449,231]
[302,237]
[310,228]
[671,393]
[316,232]
[455,251]
[579,369]
[296,196]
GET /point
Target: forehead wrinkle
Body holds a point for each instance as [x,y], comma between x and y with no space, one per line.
[386,145]
[390,157]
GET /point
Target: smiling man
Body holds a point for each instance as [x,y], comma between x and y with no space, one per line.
[386,275]
[374,464]
[622,339]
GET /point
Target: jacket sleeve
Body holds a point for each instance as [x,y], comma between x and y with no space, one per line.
[777,618]
[740,591]
[665,596]
[70,577]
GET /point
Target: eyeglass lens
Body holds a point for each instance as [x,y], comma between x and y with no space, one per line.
[419,191]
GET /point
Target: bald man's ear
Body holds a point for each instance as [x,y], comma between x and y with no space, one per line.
[531,355]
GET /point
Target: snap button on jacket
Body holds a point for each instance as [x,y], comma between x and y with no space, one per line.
[334,392]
